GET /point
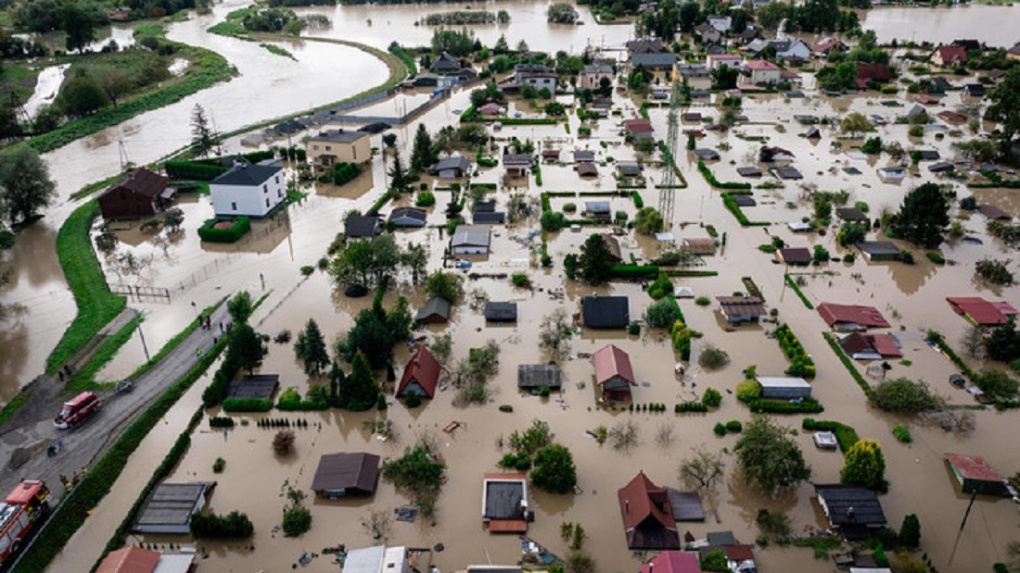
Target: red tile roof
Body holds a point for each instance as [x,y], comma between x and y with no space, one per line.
[508,526]
[672,562]
[610,362]
[129,560]
[424,369]
[873,71]
[638,126]
[981,311]
[952,54]
[641,501]
[739,552]
[973,467]
[761,65]
[864,316]
[884,345]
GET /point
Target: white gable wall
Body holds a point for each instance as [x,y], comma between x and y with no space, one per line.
[250,201]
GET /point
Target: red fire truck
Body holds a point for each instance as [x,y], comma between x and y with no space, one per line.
[80,407]
[19,514]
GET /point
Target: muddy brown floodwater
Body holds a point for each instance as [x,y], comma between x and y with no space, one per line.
[268,262]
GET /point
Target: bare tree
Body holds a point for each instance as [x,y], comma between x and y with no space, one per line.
[954,420]
[624,435]
[702,470]
[442,347]
[283,442]
[377,524]
[973,342]
[664,434]
[555,332]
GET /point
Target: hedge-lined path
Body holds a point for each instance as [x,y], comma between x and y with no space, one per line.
[83,445]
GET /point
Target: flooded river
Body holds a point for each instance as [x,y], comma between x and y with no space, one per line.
[269,262]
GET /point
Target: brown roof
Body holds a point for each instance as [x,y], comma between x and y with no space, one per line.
[613,245]
[993,212]
[129,560]
[638,126]
[881,344]
[751,305]
[951,54]
[703,246]
[873,71]
[795,255]
[610,362]
[865,316]
[143,182]
[347,470]
[739,552]
[973,468]
[423,369]
[647,515]
[586,169]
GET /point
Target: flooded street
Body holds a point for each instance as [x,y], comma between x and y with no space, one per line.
[268,261]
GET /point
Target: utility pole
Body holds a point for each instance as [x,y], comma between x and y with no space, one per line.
[666,192]
[973,496]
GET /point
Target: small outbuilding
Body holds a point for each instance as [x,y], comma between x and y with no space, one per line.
[794,256]
[860,346]
[362,227]
[784,388]
[452,167]
[879,250]
[975,475]
[535,376]
[500,312]
[470,240]
[435,311]
[613,373]
[254,386]
[749,171]
[598,210]
[505,502]
[141,193]
[738,309]
[851,316]
[132,559]
[169,507]
[852,214]
[854,510]
[346,474]
[421,375]
[698,246]
[408,217]
[605,311]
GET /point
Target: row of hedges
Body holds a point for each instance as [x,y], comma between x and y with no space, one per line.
[684,407]
[732,206]
[345,173]
[526,121]
[633,271]
[682,336]
[845,435]
[765,406]
[710,177]
[78,504]
[796,290]
[247,404]
[483,186]
[996,181]
[401,53]
[193,170]
[849,365]
[801,363]
[208,231]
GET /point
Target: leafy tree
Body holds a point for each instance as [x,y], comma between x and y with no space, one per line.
[1003,342]
[370,337]
[724,77]
[997,383]
[855,124]
[906,396]
[115,82]
[81,95]
[458,44]
[310,347]
[389,140]
[25,184]
[447,285]
[366,262]
[501,46]
[910,531]
[1005,107]
[923,217]
[79,22]
[423,155]
[297,519]
[715,560]
[246,347]
[359,389]
[240,307]
[688,18]
[336,381]
[212,526]
[419,473]
[851,233]
[173,219]
[561,13]
[648,221]
[661,314]
[594,264]
[554,108]
[554,469]
[399,320]
[202,137]
[415,258]
[769,457]
[994,271]
[555,332]
[864,465]
[842,76]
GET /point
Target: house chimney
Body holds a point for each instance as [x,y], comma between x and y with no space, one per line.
[850,512]
[626,506]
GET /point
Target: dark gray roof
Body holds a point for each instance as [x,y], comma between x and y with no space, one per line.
[788,173]
[471,236]
[706,153]
[436,305]
[256,386]
[452,162]
[338,136]
[248,175]
[721,538]
[749,171]
[850,505]
[851,214]
[597,69]
[686,505]
[361,226]
[878,248]
[538,375]
[487,218]
[584,156]
[974,89]
[517,159]
[171,504]
[744,200]
[503,499]
[605,311]
[653,60]
[485,207]
[412,213]
[348,471]
[941,167]
[597,206]
[500,311]
[929,154]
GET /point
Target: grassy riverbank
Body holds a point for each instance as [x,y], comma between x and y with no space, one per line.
[97,306]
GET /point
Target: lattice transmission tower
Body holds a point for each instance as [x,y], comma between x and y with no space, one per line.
[666,192]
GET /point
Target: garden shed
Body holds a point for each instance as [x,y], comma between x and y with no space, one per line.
[784,388]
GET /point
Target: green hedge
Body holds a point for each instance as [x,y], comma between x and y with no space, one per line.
[996,181]
[97,306]
[800,295]
[526,121]
[75,507]
[849,365]
[808,406]
[710,177]
[639,202]
[408,60]
[936,339]
[738,213]
[635,271]
[247,405]
[345,173]
[228,235]
[845,435]
[684,407]
[801,363]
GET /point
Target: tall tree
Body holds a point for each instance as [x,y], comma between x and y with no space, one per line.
[1005,107]
[399,178]
[595,265]
[310,347]
[371,338]
[202,137]
[359,389]
[79,22]
[81,95]
[688,18]
[247,347]
[769,457]
[25,184]
[336,381]
[423,155]
[864,465]
[554,469]
[240,307]
[923,217]
[416,258]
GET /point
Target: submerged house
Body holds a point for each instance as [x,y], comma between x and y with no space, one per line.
[420,375]
[854,510]
[534,376]
[500,312]
[248,190]
[975,475]
[141,193]
[133,559]
[982,312]
[613,373]
[169,507]
[647,515]
[346,473]
[505,502]
[851,316]
[672,562]
[879,250]
[605,311]
[783,388]
[738,309]
[861,346]
[435,311]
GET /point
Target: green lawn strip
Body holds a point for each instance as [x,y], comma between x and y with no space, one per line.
[93,187]
[846,436]
[207,69]
[849,365]
[16,402]
[97,306]
[174,456]
[731,204]
[690,274]
[408,60]
[937,339]
[800,295]
[85,377]
[74,509]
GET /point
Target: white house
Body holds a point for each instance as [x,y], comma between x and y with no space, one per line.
[763,72]
[733,61]
[792,48]
[249,190]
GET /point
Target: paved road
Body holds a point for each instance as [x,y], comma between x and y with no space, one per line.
[83,445]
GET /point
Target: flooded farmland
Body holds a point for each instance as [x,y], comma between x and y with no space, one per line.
[270,259]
